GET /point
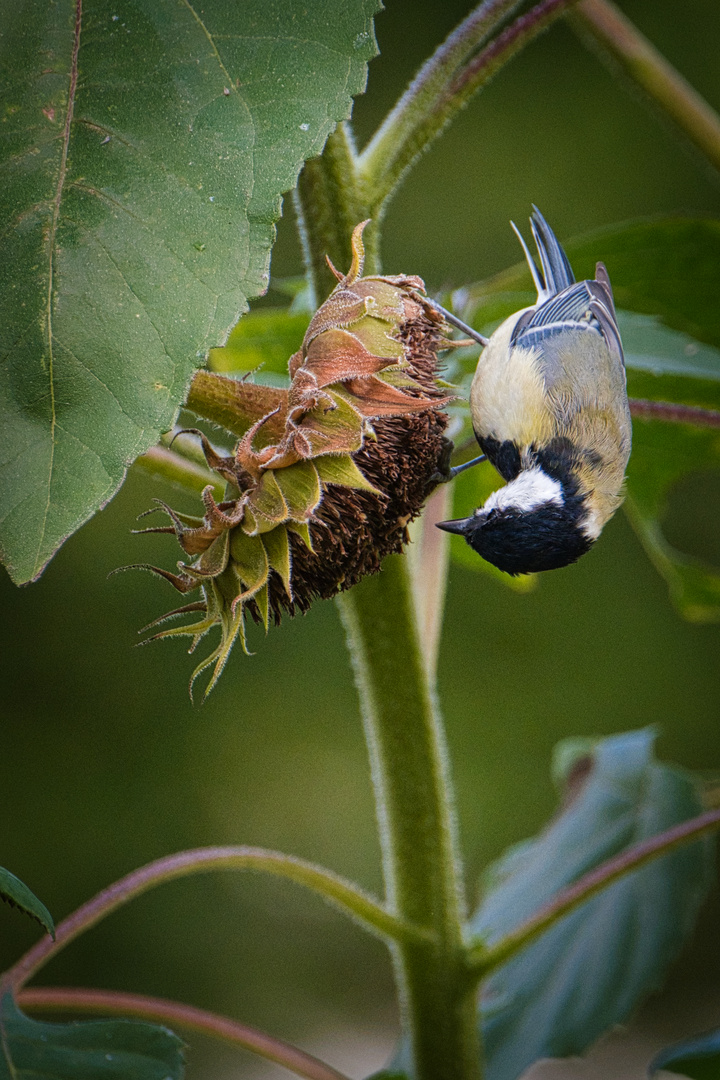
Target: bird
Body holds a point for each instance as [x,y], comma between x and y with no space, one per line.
[549,410]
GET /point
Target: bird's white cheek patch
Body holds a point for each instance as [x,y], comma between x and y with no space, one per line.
[531,489]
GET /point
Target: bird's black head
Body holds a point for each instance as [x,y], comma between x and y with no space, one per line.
[527,526]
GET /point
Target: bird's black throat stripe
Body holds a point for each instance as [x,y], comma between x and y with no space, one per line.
[505,456]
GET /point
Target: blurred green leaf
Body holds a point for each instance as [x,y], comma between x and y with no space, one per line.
[668,268]
[667,365]
[697,1058]
[588,972]
[662,454]
[264,339]
[93,1050]
[16,893]
[145,150]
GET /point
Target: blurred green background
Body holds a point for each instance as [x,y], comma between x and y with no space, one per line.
[106,764]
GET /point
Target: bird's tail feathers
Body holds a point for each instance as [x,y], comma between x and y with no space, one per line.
[556,269]
[537,280]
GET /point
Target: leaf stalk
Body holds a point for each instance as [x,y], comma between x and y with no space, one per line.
[176,1014]
[618,41]
[669,412]
[483,959]
[349,898]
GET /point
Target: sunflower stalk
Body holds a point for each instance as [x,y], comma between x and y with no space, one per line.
[394,670]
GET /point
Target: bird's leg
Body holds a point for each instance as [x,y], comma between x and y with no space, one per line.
[457,469]
[446,472]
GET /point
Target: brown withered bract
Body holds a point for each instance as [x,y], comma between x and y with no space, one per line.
[327,474]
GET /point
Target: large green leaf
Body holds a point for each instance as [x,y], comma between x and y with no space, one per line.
[589,971]
[93,1050]
[144,151]
[16,893]
[697,1058]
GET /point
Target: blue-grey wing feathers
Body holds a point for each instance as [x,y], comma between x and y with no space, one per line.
[563,303]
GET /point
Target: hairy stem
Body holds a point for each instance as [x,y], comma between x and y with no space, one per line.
[467,60]
[605,28]
[484,960]
[416,820]
[343,894]
[329,203]
[235,404]
[675,414]
[176,1014]
[164,462]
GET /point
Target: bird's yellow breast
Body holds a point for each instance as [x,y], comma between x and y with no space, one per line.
[508,398]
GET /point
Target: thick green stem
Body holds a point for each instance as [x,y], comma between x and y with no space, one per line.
[403,729]
[610,32]
[329,203]
[417,827]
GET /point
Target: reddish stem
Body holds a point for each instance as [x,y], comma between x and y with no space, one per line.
[484,959]
[177,1014]
[336,890]
[483,66]
[677,414]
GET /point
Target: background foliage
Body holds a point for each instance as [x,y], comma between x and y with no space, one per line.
[276,756]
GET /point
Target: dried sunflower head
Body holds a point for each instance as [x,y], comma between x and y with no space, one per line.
[327,474]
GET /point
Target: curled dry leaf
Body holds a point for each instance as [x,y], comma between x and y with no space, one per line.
[326,474]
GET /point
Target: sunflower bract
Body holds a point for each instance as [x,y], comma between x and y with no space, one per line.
[327,474]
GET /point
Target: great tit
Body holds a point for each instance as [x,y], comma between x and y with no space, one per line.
[550,411]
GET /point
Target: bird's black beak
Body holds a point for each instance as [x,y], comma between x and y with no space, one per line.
[460,525]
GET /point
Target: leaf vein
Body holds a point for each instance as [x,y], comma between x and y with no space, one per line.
[51,256]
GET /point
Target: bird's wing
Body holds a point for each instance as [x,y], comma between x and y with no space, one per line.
[569,306]
[586,306]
